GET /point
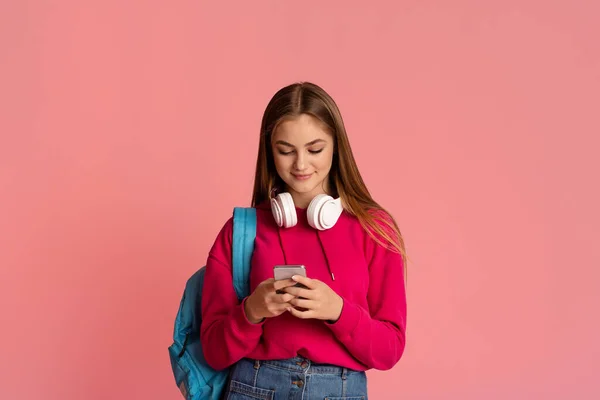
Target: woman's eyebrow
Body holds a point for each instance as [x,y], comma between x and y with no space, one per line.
[284,143]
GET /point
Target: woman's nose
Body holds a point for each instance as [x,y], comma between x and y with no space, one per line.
[299,164]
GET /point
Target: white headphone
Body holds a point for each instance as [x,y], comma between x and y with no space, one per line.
[323,211]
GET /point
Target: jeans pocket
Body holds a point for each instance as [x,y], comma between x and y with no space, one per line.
[241,391]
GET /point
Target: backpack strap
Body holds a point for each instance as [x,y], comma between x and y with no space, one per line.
[244,233]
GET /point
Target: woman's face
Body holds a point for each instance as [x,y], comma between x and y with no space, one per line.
[303,154]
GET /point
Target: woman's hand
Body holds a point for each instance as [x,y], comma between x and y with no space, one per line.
[265,302]
[318,300]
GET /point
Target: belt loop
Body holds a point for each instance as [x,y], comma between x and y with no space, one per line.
[256,367]
[344,373]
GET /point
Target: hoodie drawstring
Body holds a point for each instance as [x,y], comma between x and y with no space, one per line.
[325,254]
[281,245]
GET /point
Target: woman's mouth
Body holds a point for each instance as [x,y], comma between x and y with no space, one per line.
[301,177]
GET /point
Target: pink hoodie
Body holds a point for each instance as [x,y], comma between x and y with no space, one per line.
[371,330]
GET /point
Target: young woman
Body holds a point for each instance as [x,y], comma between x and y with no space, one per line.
[287,341]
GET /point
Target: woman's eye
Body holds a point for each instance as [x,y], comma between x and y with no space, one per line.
[286,153]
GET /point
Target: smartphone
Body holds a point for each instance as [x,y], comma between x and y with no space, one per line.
[281,272]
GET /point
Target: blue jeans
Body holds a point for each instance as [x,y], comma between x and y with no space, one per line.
[294,379]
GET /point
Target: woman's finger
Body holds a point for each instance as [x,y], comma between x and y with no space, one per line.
[309,283]
[301,314]
[279,285]
[306,304]
[300,292]
[283,298]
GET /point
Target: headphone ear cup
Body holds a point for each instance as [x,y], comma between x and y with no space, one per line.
[312,213]
[323,212]
[277,211]
[288,210]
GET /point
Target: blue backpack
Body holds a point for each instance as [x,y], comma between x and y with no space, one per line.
[194,377]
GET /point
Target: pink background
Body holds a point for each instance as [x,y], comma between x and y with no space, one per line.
[129,130]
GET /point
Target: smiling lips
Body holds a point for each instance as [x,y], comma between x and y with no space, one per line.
[301,177]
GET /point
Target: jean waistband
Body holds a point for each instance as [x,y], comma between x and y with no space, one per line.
[304,365]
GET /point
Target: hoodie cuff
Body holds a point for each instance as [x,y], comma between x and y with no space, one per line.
[241,322]
[348,321]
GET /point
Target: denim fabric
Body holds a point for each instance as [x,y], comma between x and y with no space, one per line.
[294,379]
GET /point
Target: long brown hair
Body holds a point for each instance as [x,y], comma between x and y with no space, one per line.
[345,180]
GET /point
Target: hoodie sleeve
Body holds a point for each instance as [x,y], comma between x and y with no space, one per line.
[376,336]
[226,334]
